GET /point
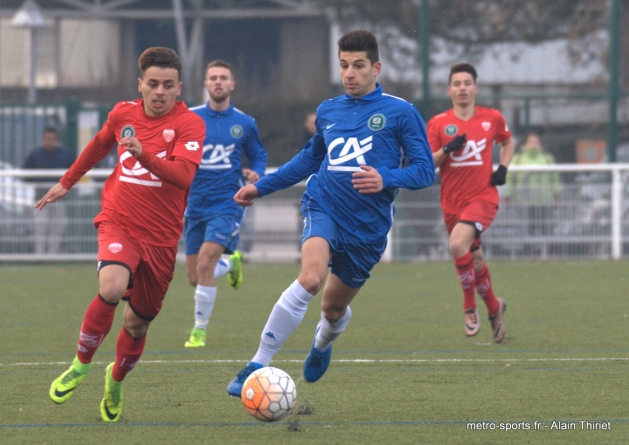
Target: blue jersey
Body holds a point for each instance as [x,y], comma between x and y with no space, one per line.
[219,177]
[376,130]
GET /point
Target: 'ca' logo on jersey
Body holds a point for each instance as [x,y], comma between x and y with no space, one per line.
[377,122]
[236,131]
[471,154]
[352,149]
[127,131]
[451,130]
[217,157]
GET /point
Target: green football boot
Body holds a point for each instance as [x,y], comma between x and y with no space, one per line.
[63,387]
[111,405]
[197,339]
[235,274]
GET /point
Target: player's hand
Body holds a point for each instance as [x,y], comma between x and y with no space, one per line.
[250,175]
[132,145]
[246,195]
[499,177]
[455,144]
[368,180]
[56,192]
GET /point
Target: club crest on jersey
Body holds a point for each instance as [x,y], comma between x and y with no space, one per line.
[486,126]
[451,130]
[377,122]
[236,131]
[127,131]
[115,247]
[169,134]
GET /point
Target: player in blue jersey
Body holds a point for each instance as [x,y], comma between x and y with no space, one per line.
[355,166]
[213,218]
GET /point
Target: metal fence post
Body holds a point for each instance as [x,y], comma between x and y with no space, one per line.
[616,213]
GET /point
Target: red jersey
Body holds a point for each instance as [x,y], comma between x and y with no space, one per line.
[465,174]
[147,207]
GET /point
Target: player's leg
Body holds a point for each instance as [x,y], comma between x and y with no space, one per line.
[151,280]
[129,348]
[290,309]
[462,236]
[335,315]
[205,291]
[114,278]
[495,306]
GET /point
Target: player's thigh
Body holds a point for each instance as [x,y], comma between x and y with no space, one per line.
[118,258]
[151,280]
[223,229]
[315,257]
[462,237]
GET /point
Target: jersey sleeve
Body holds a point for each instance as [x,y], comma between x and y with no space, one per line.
[434,138]
[303,164]
[189,142]
[255,152]
[503,133]
[420,172]
[94,151]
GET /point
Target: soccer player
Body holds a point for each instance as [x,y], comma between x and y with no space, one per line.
[461,140]
[213,219]
[354,164]
[139,226]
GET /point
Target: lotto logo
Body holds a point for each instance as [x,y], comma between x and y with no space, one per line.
[192,145]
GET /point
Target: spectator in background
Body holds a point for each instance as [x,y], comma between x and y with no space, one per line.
[49,224]
[309,129]
[536,192]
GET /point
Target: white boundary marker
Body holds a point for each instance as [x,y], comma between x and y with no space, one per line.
[443,360]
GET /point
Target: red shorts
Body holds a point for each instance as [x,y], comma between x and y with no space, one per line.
[480,214]
[151,267]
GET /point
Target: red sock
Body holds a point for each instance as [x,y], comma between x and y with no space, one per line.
[96,325]
[465,271]
[483,287]
[128,352]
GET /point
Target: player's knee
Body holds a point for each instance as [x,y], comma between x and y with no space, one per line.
[333,312]
[112,292]
[312,281]
[458,247]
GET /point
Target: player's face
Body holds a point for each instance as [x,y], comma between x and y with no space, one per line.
[219,83]
[159,88]
[462,89]
[357,73]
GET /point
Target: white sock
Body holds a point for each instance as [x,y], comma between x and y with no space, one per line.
[284,319]
[204,298]
[328,332]
[222,267]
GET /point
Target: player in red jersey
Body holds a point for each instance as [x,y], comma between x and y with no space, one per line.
[461,140]
[139,226]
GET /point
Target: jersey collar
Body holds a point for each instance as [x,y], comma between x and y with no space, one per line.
[219,113]
[369,96]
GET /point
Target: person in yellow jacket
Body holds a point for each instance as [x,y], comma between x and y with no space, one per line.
[535,192]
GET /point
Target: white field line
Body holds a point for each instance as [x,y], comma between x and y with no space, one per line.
[410,361]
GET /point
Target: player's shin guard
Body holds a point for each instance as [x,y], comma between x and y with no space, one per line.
[285,317]
[96,325]
[128,353]
[465,272]
[484,289]
[328,332]
[204,298]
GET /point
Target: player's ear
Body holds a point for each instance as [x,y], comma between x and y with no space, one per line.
[179,88]
[377,67]
[139,84]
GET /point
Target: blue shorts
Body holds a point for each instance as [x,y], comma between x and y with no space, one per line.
[222,229]
[352,261]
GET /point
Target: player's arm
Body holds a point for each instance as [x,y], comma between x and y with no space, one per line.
[303,164]
[507,148]
[256,154]
[178,171]
[94,151]
[420,172]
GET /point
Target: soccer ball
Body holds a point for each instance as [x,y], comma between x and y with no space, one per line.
[269,394]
